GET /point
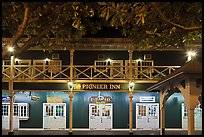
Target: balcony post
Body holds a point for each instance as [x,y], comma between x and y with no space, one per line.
[130,92]
[11,132]
[70,93]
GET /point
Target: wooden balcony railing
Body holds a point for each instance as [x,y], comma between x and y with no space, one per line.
[85,72]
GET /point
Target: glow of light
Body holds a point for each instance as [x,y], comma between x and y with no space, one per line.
[70,84]
[131,85]
[16,60]
[190,54]
[10,49]
[108,60]
[138,60]
[46,59]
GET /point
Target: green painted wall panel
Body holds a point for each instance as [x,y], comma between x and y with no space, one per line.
[173,111]
[36,107]
[81,112]
[120,102]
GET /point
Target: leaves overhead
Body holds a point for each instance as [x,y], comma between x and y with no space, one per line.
[148,24]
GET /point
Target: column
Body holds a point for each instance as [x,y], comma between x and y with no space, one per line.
[191,93]
[130,114]
[191,126]
[70,112]
[71,93]
[130,59]
[162,114]
[11,132]
[130,92]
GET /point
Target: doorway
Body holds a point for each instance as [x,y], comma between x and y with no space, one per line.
[100,116]
[197,117]
[54,116]
[147,116]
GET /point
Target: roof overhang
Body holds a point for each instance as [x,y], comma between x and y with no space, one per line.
[94,44]
[192,69]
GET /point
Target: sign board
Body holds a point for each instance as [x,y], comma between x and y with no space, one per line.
[5,99]
[100,99]
[54,100]
[97,86]
[147,99]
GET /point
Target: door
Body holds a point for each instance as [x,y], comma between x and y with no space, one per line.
[116,69]
[144,68]
[134,68]
[6,116]
[39,68]
[147,116]
[25,69]
[100,116]
[54,66]
[197,117]
[54,116]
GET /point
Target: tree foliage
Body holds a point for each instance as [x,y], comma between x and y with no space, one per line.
[148,24]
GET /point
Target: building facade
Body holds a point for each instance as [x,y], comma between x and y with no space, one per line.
[92,85]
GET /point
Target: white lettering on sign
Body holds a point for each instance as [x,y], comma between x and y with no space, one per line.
[101,86]
[147,99]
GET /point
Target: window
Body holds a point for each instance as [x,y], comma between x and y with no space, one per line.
[15,113]
[147,56]
[59,110]
[100,65]
[19,109]
[55,66]
[142,110]
[55,56]
[152,110]
[101,56]
[5,110]
[49,110]
[39,66]
[95,110]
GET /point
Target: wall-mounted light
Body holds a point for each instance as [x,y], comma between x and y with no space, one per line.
[190,54]
[70,85]
[108,60]
[139,60]
[46,59]
[16,60]
[131,86]
[11,49]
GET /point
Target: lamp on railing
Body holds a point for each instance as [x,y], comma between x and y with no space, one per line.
[70,85]
[131,86]
[108,60]
[16,60]
[46,60]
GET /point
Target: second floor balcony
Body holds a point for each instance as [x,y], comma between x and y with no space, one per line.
[107,72]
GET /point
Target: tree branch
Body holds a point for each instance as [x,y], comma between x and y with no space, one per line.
[20,30]
[155,6]
[30,43]
[22,26]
